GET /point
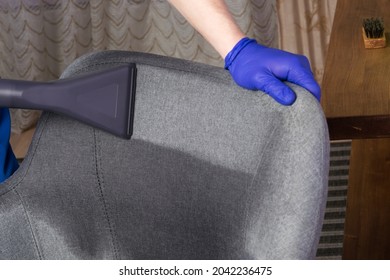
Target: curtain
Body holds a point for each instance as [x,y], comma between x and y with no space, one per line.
[305,27]
[39,38]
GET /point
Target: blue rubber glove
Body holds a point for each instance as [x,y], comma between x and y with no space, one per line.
[256,67]
[8,162]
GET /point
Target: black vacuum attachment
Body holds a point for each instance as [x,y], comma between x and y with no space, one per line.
[103,99]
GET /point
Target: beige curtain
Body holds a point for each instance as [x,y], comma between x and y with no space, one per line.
[39,38]
[305,27]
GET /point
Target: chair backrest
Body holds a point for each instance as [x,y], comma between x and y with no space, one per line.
[213,171]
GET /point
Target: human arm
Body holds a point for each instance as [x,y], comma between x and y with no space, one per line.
[251,65]
[212,19]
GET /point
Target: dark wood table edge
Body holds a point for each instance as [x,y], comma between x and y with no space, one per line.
[359,127]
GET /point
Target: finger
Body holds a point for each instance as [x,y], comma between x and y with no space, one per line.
[305,79]
[277,90]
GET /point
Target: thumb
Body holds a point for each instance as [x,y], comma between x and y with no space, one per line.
[305,79]
[278,91]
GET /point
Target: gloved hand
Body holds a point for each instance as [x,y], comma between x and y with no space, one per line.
[8,162]
[256,67]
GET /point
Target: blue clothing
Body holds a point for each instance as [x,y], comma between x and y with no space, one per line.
[8,162]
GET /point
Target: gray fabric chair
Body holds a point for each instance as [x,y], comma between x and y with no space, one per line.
[212,171]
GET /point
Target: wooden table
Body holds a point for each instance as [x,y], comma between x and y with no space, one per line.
[356,101]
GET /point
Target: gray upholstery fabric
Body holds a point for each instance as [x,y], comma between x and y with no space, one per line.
[212,171]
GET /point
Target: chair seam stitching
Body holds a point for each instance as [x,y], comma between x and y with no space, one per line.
[27,217]
[100,185]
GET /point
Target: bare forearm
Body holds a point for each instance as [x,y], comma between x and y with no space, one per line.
[212,19]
